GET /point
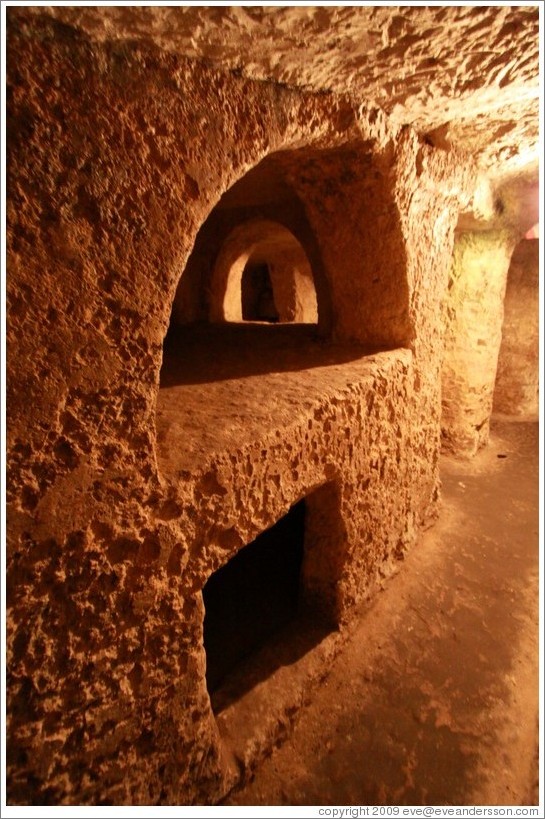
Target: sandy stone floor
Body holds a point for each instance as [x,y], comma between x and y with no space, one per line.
[434,698]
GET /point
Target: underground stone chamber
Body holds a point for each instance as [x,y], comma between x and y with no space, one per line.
[262,273]
[257,295]
[148,185]
[251,418]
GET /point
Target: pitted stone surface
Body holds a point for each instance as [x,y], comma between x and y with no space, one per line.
[517,382]
[473,329]
[468,75]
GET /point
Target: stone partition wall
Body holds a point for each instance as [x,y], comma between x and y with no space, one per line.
[387,256]
[516,392]
[473,319]
[117,155]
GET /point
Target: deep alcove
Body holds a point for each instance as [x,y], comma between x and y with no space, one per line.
[260,222]
[253,595]
[257,296]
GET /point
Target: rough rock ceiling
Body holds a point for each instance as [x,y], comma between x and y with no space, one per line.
[469,75]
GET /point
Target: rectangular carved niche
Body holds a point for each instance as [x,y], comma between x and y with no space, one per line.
[275,599]
[253,595]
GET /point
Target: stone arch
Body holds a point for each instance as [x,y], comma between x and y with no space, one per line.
[260,218]
[263,242]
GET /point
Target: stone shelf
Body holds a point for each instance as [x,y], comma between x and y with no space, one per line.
[224,386]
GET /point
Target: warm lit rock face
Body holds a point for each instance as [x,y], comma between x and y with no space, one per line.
[124,497]
[517,380]
[473,319]
[468,75]
[262,257]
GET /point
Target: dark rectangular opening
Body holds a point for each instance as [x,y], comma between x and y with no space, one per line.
[253,596]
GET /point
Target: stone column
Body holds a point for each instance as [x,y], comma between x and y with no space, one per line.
[473,326]
[517,383]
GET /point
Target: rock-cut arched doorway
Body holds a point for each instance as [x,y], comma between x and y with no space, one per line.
[255,258]
[263,273]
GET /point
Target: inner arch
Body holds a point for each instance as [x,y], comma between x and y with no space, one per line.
[270,262]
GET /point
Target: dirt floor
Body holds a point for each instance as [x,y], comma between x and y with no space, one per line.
[434,698]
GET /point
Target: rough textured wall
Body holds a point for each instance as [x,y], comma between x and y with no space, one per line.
[517,380]
[387,261]
[116,156]
[429,188]
[468,73]
[473,317]
[351,182]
